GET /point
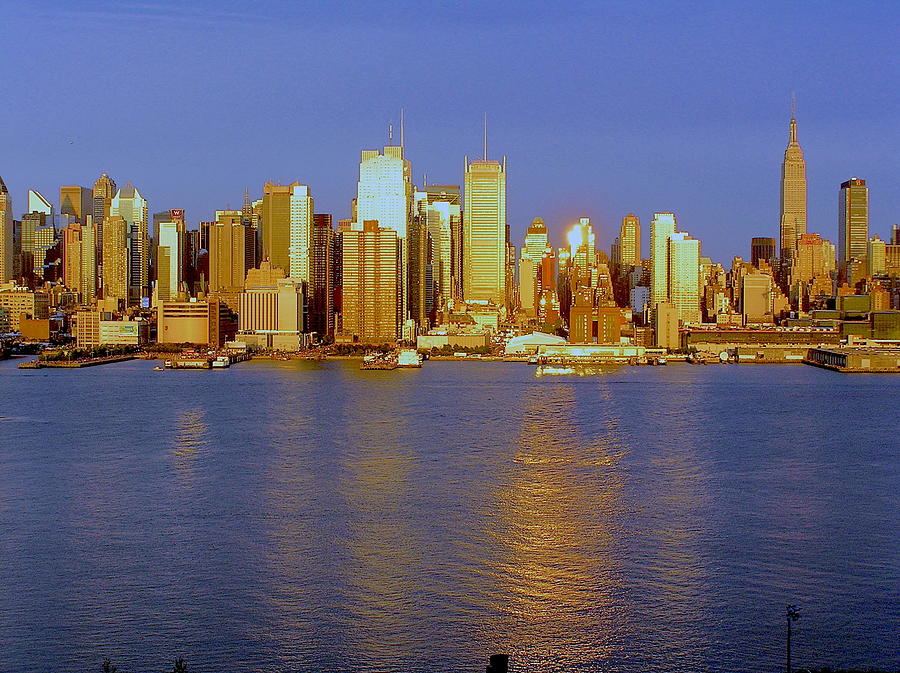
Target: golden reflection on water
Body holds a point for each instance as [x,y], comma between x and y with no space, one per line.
[385,556]
[190,440]
[294,539]
[556,527]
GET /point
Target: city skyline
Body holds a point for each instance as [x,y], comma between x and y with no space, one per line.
[634,126]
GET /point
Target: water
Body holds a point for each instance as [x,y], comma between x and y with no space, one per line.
[288,516]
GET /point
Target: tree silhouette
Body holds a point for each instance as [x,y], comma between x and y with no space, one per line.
[180,666]
[108,667]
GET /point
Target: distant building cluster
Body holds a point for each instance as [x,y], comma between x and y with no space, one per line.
[432,264]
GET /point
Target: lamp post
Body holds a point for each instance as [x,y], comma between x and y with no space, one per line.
[792,615]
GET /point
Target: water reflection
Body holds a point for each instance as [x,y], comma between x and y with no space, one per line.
[294,553]
[385,563]
[555,565]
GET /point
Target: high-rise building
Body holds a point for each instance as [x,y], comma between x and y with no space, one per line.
[103,192]
[630,241]
[71,249]
[385,194]
[662,226]
[484,231]
[78,202]
[232,251]
[536,240]
[675,268]
[582,245]
[529,290]
[321,288]
[764,249]
[169,258]
[443,212]
[6,233]
[384,191]
[809,262]
[371,283]
[88,254]
[684,276]
[419,269]
[853,222]
[793,193]
[115,257]
[287,228]
[875,256]
[132,207]
[38,236]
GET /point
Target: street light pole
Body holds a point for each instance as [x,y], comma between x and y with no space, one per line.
[792,615]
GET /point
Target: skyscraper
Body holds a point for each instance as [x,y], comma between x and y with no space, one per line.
[371,283]
[793,193]
[443,212]
[385,194]
[321,289]
[683,278]
[764,249]
[103,192]
[287,228]
[115,257]
[674,268]
[662,226]
[536,240]
[76,201]
[132,207]
[484,231]
[6,233]
[88,254]
[630,241]
[231,251]
[169,258]
[853,222]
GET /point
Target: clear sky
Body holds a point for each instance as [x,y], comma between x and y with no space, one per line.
[601,107]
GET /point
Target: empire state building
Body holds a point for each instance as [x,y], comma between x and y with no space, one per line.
[793,194]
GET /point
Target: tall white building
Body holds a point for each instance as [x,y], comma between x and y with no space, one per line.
[169,260]
[484,232]
[385,195]
[662,226]
[384,191]
[674,268]
[132,207]
[684,276]
[38,204]
[301,234]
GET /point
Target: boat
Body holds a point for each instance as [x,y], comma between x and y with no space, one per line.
[158,369]
[379,361]
[409,358]
[221,362]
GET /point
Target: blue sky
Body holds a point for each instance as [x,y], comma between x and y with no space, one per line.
[601,107]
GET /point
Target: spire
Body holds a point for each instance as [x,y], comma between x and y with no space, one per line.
[402,138]
[793,139]
[247,210]
[485,136]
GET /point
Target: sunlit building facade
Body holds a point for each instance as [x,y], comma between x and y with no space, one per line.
[793,194]
[484,231]
[853,222]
